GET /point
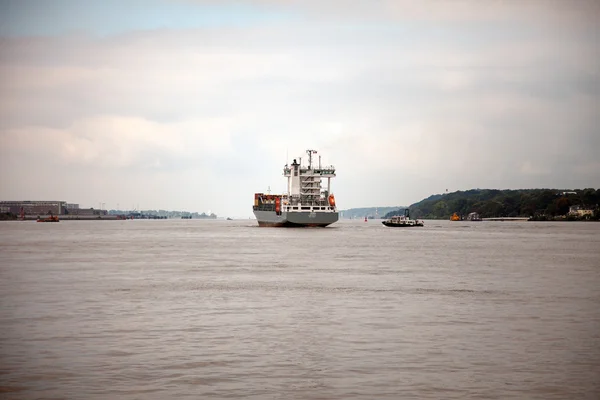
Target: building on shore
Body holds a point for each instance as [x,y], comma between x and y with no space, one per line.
[34,207]
[47,207]
[580,211]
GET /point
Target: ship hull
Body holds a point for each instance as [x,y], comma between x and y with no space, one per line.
[295,219]
[393,225]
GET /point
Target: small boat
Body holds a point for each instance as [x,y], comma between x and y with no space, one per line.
[52,218]
[402,221]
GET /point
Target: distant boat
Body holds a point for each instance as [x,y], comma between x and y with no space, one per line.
[455,217]
[52,218]
[229,219]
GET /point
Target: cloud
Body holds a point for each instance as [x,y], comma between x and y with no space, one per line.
[121,143]
[406,100]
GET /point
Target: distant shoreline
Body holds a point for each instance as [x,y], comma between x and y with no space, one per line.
[72,217]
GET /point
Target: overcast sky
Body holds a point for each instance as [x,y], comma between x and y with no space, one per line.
[193,105]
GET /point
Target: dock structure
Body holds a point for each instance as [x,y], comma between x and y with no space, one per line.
[506,219]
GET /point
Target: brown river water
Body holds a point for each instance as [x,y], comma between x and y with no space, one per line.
[196,309]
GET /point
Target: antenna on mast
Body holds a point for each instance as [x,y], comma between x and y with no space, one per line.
[310,153]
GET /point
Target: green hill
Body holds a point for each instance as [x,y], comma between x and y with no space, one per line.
[492,203]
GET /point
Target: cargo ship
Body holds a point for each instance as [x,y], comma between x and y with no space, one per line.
[305,204]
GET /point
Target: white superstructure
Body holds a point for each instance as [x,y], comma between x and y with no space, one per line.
[304,186]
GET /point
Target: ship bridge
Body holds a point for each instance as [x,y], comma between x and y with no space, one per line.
[325,172]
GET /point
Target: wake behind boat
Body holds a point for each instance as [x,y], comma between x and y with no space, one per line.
[402,221]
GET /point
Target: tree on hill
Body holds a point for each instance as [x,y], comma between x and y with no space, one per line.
[399,211]
[490,203]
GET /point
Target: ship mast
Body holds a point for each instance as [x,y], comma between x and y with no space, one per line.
[310,153]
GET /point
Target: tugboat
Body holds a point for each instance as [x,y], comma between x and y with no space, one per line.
[403,221]
[304,204]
